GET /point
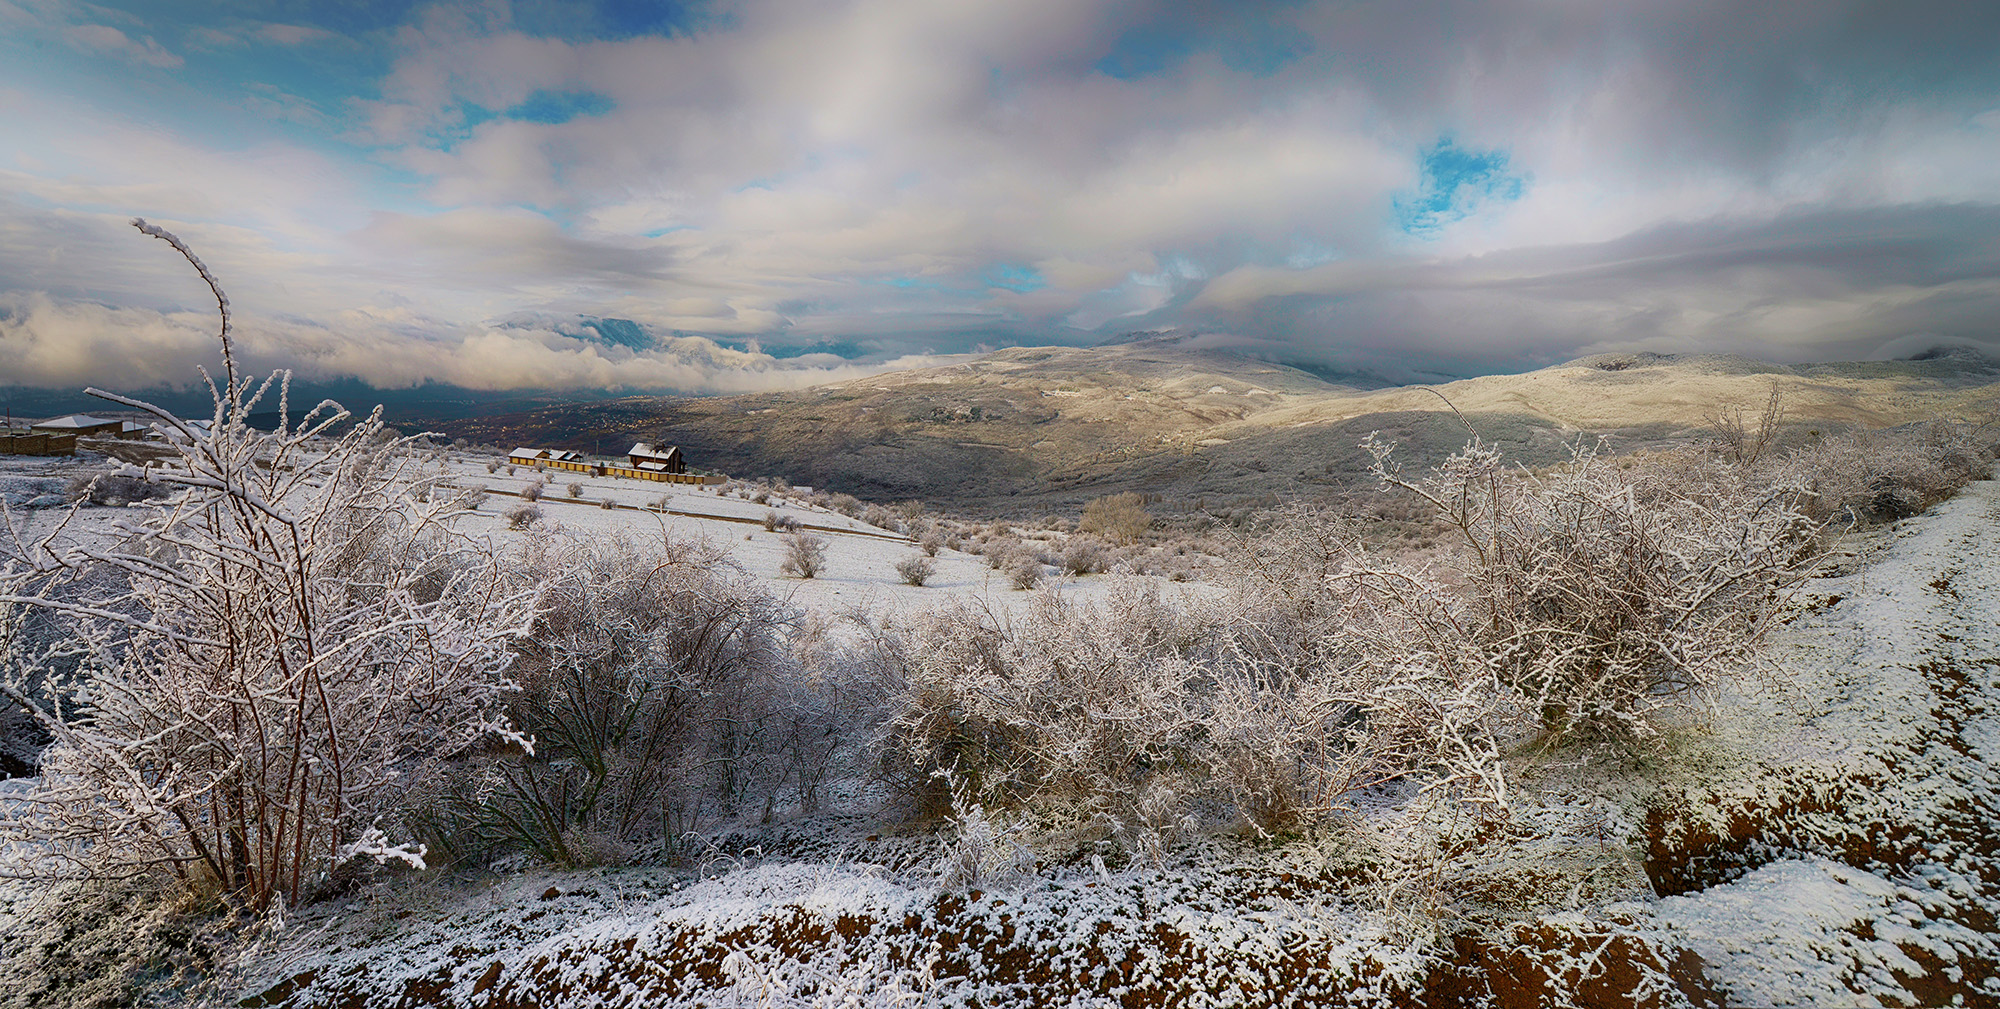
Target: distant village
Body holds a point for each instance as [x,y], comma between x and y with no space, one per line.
[644,462]
[60,435]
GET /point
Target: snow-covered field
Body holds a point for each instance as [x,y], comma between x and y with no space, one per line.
[860,570]
[859,573]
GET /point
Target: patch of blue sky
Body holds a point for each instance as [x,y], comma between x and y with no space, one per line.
[628,18]
[1454,184]
[1012,277]
[1143,52]
[1252,42]
[1262,49]
[909,283]
[555,107]
[668,230]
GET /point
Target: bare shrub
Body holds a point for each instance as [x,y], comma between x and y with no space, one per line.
[1741,441]
[775,522]
[115,489]
[607,504]
[1118,517]
[881,518]
[492,467]
[998,553]
[1024,571]
[990,714]
[845,504]
[1866,477]
[1597,593]
[654,683]
[1082,556]
[523,516]
[931,542]
[532,491]
[805,555]
[283,657]
[576,489]
[916,570]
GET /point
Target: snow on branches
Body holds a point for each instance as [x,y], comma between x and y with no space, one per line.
[268,658]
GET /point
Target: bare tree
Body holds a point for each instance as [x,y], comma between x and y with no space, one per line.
[291,635]
[1742,442]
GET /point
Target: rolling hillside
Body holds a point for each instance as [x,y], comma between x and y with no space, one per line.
[1031,429]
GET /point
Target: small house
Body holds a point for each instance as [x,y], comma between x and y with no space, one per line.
[527,456]
[81,425]
[649,458]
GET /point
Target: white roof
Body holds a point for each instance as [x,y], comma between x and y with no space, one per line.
[76,420]
[528,453]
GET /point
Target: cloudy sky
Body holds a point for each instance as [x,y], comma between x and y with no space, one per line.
[623,194]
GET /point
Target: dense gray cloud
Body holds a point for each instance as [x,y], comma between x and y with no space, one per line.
[1413,188]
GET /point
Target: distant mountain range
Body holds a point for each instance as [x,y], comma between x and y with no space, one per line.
[1026,430]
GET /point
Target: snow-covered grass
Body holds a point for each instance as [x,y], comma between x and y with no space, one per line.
[860,570]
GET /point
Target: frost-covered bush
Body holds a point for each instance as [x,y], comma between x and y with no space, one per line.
[523,516]
[656,683]
[916,569]
[1068,702]
[1867,477]
[805,555]
[1594,593]
[1024,570]
[113,489]
[531,491]
[1082,556]
[575,489]
[293,638]
[881,518]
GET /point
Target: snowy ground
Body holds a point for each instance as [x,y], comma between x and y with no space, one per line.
[860,558]
[1828,835]
[1861,787]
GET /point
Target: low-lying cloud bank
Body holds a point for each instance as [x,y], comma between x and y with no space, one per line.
[52,343]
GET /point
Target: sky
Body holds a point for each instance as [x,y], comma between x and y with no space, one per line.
[623,195]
